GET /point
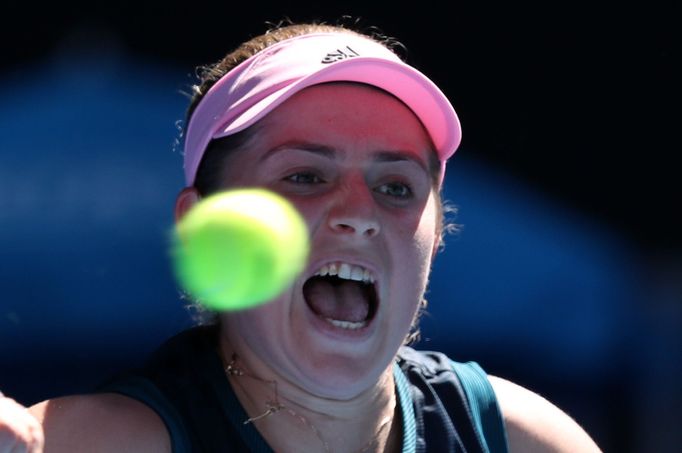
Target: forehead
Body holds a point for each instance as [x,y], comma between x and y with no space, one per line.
[345,116]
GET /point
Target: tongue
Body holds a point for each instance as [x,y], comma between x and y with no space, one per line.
[342,300]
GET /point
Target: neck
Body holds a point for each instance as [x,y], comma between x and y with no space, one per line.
[291,419]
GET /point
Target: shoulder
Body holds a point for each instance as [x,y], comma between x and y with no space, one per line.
[103,422]
[535,425]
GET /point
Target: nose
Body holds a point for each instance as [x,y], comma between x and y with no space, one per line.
[354,213]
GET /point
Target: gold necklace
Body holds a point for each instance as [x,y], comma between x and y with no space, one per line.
[273,406]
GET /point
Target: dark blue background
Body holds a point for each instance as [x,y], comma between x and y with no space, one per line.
[565,277]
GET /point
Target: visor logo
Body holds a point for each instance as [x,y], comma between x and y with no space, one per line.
[339,54]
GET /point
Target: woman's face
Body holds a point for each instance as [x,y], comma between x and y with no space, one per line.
[355,162]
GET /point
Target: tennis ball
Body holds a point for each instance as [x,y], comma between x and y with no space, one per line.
[239,248]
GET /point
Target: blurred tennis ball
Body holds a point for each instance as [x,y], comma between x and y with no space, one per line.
[240,248]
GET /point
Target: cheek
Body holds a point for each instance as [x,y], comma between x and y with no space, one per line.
[416,246]
[424,234]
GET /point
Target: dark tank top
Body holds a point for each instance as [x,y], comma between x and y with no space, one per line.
[446,406]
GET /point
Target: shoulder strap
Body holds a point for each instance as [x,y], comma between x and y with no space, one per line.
[407,410]
[145,391]
[483,404]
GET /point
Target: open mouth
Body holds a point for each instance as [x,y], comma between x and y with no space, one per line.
[342,294]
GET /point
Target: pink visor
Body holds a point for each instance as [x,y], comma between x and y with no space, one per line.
[256,86]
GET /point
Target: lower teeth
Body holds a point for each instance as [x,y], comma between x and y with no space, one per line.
[346,324]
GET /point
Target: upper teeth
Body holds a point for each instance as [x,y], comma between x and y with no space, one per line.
[347,272]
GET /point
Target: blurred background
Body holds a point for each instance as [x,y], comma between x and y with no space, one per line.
[566,276]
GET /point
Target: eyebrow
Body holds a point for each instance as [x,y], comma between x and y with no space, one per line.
[313,148]
[329,153]
[399,156]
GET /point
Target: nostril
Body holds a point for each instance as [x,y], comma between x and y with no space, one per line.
[363,223]
[371,232]
[364,230]
[345,228]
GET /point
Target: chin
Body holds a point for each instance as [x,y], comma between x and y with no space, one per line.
[338,387]
[339,377]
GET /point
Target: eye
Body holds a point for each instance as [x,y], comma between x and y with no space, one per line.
[303,177]
[396,190]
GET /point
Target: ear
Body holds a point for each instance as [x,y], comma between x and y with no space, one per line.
[187,198]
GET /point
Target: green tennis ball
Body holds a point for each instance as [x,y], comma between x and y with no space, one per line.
[239,248]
